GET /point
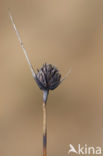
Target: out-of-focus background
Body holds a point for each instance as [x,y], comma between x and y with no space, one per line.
[67,34]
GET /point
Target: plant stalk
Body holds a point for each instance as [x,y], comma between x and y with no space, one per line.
[44,130]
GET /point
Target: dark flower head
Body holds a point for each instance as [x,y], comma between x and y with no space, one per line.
[48,77]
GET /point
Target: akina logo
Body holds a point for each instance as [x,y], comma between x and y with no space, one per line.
[90,150]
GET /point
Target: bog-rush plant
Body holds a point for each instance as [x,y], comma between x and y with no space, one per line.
[47,78]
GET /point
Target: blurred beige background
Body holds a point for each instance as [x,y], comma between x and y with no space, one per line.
[67,34]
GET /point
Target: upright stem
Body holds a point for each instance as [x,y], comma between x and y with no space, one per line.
[44,130]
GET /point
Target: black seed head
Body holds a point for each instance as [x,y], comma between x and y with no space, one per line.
[48,77]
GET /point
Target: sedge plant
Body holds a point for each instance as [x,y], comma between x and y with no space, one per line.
[47,78]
